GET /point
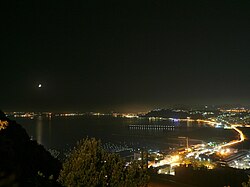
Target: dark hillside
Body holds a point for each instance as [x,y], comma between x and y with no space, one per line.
[23,161]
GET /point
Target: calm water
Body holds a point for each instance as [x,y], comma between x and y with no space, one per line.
[63,132]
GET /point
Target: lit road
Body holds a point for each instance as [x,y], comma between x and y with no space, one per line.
[233,142]
[174,160]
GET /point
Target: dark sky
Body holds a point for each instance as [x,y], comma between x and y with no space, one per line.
[123,55]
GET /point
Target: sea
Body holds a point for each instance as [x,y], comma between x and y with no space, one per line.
[118,133]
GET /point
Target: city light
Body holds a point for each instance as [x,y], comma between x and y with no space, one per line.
[3,124]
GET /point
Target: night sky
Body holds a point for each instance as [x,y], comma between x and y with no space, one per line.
[123,55]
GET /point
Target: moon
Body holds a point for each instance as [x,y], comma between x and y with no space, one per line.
[39,85]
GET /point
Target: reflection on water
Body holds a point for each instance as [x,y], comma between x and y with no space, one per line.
[39,129]
[189,123]
[50,129]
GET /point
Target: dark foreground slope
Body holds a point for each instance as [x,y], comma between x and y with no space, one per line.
[23,162]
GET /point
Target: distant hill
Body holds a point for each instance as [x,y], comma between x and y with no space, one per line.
[167,113]
[180,114]
[23,161]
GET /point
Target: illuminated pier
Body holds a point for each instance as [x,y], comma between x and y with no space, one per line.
[151,127]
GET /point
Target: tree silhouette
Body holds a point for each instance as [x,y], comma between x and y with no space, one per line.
[90,165]
[246,184]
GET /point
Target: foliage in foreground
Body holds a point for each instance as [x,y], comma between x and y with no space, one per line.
[246,184]
[90,165]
